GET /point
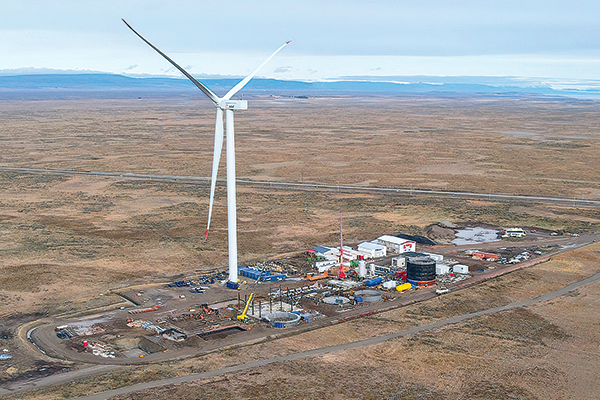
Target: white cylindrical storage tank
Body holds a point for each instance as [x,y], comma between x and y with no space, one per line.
[362,268]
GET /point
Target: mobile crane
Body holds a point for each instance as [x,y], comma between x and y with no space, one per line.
[243,317]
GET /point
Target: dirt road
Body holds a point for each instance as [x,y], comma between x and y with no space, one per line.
[345,346]
[59,378]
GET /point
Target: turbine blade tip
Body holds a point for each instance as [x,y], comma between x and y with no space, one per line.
[288,42]
[206,236]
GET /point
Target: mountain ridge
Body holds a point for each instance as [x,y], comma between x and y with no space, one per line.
[103,82]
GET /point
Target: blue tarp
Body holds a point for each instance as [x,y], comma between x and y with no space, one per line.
[374,281]
[254,273]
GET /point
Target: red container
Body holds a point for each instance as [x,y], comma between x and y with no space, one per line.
[401,275]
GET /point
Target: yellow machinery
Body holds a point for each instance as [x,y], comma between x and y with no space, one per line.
[243,316]
[403,287]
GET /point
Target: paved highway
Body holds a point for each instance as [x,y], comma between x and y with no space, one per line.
[341,347]
[201,180]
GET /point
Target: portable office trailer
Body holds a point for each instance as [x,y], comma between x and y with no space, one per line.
[372,250]
[396,245]
[460,269]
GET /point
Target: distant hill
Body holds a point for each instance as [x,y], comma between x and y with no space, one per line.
[112,85]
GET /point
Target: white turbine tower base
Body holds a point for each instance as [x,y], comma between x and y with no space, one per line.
[231,206]
[223,104]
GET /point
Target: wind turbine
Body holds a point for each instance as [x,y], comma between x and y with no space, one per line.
[222,104]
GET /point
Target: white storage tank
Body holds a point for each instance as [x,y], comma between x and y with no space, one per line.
[460,269]
[362,268]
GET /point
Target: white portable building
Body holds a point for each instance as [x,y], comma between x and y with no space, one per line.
[397,245]
[441,269]
[435,257]
[399,262]
[351,254]
[323,266]
[460,269]
[372,250]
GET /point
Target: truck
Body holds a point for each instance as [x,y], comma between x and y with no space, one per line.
[513,232]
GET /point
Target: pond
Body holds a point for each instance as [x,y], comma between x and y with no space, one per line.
[475,235]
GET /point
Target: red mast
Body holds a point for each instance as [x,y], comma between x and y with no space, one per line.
[341,274]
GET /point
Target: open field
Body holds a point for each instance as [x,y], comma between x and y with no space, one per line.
[540,146]
[66,240]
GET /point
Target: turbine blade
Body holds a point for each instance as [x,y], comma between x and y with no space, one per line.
[209,93]
[216,158]
[244,81]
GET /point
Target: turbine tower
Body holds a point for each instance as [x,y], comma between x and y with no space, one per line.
[223,104]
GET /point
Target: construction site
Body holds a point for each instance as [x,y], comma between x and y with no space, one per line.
[200,313]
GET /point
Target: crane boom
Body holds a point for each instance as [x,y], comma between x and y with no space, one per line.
[243,316]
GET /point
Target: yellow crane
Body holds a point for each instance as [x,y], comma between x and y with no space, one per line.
[243,316]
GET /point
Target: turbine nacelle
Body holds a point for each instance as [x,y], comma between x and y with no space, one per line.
[233,105]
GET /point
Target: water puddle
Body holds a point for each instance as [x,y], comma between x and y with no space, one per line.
[475,235]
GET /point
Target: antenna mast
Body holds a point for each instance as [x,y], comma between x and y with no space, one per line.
[341,274]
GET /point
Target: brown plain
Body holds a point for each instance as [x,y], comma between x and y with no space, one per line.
[65,240]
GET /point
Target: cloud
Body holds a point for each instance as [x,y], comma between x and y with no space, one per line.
[134,66]
[281,70]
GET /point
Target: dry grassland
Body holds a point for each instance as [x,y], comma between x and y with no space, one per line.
[543,146]
[65,240]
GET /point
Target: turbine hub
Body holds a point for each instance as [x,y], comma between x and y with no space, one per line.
[233,105]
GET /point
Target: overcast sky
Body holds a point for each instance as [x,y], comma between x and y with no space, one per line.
[556,39]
